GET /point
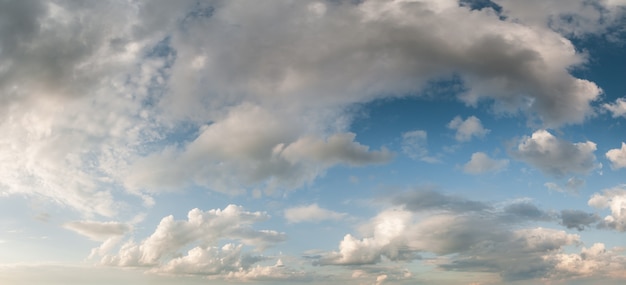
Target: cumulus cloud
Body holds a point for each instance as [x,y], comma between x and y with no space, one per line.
[250,146]
[480,237]
[99,231]
[554,156]
[617,156]
[615,200]
[482,163]
[415,145]
[311,213]
[596,260]
[468,128]
[205,228]
[134,104]
[618,108]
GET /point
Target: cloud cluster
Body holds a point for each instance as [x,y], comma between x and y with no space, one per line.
[204,230]
[102,92]
[554,156]
[477,237]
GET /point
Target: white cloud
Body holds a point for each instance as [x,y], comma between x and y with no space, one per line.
[104,107]
[205,228]
[617,157]
[615,200]
[311,213]
[99,231]
[618,108]
[468,128]
[250,146]
[482,163]
[554,156]
[596,260]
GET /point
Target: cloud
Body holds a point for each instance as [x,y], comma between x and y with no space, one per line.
[618,108]
[415,145]
[490,238]
[617,157]
[431,200]
[124,108]
[576,18]
[206,228]
[467,129]
[578,219]
[615,200]
[481,163]
[572,186]
[596,260]
[250,146]
[554,156]
[99,231]
[311,213]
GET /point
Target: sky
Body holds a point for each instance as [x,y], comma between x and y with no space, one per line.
[313,142]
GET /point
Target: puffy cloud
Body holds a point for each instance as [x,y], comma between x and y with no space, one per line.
[124,107]
[311,213]
[618,108]
[210,261]
[578,219]
[207,228]
[617,156]
[468,128]
[482,163]
[415,145]
[596,260]
[99,231]
[482,239]
[250,146]
[554,156]
[615,200]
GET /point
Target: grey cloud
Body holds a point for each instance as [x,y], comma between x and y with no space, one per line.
[554,156]
[100,107]
[432,200]
[526,211]
[578,219]
[99,231]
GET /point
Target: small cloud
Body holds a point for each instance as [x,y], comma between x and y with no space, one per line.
[467,129]
[617,157]
[554,156]
[481,163]
[618,108]
[415,146]
[99,231]
[311,213]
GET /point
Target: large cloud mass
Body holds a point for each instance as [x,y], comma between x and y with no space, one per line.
[104,92]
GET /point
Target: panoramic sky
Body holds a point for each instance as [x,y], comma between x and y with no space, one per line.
[313,142]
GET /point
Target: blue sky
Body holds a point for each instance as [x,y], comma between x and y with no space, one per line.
[312,142]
